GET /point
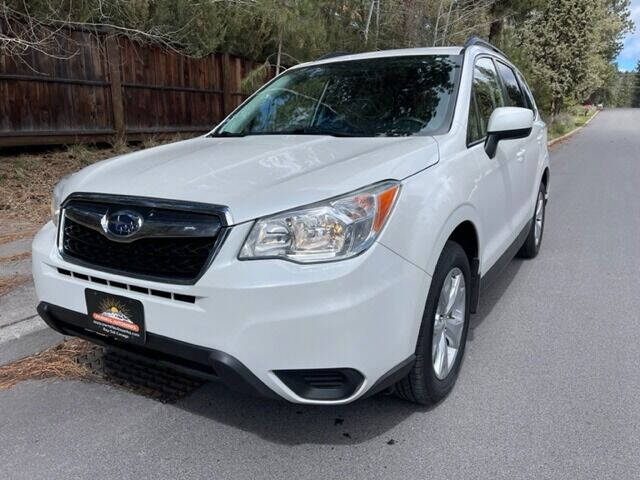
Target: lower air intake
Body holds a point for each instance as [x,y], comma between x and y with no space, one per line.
[322,384]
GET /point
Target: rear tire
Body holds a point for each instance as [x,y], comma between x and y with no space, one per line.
[531,246]
[436,367]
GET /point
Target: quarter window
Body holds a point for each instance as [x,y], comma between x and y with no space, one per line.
[474,132]
[514,94]
[527,94]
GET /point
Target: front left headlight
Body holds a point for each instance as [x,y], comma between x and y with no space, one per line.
[56,199]
[335,229]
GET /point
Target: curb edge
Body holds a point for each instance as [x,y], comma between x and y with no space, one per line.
[575,130]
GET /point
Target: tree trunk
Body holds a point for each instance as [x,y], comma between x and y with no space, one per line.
[409,23]
[279,57]
[368,24]
[435,30]
[555,106]
[377,21]
[495,30]
[446,25]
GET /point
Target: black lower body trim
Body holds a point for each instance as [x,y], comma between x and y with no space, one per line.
[393,376]
[475,285]
[493,273]
[197,360]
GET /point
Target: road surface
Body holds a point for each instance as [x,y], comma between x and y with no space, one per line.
[550,386]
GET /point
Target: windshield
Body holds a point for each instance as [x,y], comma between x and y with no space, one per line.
[373,97]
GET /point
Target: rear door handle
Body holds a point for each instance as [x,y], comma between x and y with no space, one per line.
[520,155]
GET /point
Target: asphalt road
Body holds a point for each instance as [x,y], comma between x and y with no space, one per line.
[550,387]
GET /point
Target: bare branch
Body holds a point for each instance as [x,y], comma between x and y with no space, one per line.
[48,33]
[366,28]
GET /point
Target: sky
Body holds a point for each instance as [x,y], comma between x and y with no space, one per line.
[628,58]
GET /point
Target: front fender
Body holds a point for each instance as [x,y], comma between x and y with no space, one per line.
[429,209]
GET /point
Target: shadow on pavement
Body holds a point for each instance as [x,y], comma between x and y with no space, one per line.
[291,424]
[490,297]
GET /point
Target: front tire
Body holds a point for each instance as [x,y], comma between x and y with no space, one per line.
[443,333]
[531,246]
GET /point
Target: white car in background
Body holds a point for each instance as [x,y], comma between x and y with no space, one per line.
[328,240]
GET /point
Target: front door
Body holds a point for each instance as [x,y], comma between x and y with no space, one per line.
[494,196]
[523,170]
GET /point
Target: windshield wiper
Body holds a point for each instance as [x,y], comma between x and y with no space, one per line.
[228,134]
[314,131]
[295,131]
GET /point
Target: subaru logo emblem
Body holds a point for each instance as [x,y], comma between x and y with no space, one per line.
[123,223]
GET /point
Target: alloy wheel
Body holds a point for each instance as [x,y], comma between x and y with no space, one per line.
[539,218]
[448,323]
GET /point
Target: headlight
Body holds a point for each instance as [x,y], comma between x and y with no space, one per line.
[56,199]
[335,229]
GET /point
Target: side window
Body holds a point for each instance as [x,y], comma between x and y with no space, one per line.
[474,130]
[488,94]
[514,93]
[527,94]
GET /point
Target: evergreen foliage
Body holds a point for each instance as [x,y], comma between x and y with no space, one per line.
[565,48]
[635,90]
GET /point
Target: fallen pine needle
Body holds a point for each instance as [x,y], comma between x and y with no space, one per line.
[19,235]
[9,283]
[58,361]
[15,257]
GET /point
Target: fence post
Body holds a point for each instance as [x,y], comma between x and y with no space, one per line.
[117,104]
[227,106]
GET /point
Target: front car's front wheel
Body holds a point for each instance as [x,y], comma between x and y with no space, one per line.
[448,323]
[443,332]
[531,246]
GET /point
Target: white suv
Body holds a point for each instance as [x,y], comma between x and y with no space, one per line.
[326,241]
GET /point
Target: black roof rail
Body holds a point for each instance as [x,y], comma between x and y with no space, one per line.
[477,41]
[333,55]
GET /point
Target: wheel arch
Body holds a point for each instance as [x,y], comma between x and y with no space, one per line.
[463,227]
[545,180]
[464,219]
[466,235]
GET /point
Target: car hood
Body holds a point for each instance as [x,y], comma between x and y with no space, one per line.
[257,175]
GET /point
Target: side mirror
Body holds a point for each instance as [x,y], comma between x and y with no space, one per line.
[507,123]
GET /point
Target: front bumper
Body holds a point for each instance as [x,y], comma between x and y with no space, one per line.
[268,316]
[198,361]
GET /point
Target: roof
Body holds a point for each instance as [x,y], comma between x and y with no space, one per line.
[402,52]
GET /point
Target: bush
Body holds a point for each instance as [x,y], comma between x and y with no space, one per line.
[581,110]
[563,123]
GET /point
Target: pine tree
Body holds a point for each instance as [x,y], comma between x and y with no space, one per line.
[514,11]
[570,43]
[636,90]
[559,40]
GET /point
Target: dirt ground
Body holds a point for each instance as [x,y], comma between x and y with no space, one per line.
[27,177]
[26,181]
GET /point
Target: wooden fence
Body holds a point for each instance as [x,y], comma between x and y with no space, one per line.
[114,88]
